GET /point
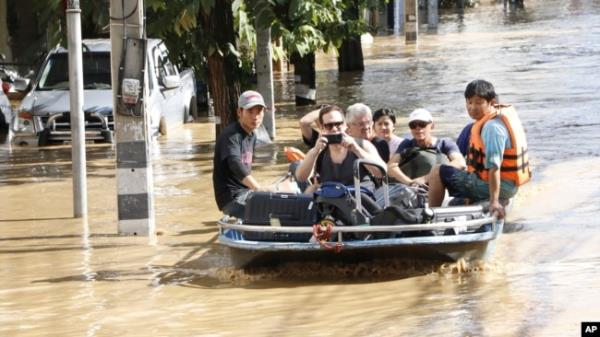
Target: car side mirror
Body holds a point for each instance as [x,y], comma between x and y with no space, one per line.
[172,81]
[21,84]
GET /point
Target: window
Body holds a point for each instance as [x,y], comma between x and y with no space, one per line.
[96,72]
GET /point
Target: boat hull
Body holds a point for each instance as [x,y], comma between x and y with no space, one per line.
[468,246]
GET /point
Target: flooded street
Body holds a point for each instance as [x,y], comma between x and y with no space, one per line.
[60,276]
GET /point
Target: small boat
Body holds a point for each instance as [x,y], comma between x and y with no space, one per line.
[286,226]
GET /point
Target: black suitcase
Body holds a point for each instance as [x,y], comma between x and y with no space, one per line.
[284,209]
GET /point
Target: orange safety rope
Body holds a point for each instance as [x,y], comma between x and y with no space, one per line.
[322,233]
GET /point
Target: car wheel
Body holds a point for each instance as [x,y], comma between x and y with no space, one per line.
[3,124]
[193,109]
[107,137]
[44,139]
[162,126]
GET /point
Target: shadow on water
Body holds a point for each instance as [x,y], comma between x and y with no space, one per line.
[33,219]
[514,226]
[53,163]
[66,236]
[56,249]
[101,275]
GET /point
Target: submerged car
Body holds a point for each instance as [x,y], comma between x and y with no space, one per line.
[5,110]
[44,115]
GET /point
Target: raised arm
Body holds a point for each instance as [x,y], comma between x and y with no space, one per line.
[306,123]
[307,166]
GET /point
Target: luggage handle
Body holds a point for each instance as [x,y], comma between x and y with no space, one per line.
[284,216]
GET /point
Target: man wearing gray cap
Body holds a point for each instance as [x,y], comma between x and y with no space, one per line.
[232,163]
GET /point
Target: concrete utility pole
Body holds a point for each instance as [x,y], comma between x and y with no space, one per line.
[264,72]
[411,27]
[305,79]
[76,103]
[432,15]
[134,160]
[398,16]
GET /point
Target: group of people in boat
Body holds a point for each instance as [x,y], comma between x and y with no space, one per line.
[489,162]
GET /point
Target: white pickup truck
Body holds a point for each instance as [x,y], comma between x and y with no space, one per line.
[43,117]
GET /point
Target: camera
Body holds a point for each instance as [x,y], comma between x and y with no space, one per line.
[334,138]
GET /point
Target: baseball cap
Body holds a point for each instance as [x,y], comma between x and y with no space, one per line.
[420,115]
[250,98]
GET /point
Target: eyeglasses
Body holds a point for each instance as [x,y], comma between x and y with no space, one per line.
[417,124]
[330,126]
[363,124]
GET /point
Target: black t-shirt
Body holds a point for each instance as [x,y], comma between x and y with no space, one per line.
[313,139]
[380,144]
[343,172]
[442,145]
[382,148]
[232,162]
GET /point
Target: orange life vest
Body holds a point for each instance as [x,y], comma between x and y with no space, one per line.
[515,162]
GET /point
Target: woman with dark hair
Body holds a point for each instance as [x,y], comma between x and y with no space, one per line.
[384,125]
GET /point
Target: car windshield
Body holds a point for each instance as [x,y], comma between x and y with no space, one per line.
[96,72]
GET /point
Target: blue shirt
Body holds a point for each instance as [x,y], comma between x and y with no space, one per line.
[443,145]
[464,138]
[496,138]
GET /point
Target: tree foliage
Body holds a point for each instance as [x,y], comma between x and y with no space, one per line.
[51,20]
[304,26]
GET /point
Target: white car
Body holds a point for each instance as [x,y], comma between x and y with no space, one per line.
[43,117]
[5,110]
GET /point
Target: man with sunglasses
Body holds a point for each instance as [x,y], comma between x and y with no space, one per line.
[359,125]
[332,158]
[415,156]
[232,164]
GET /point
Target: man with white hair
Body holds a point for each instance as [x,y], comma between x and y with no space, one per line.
[360,125]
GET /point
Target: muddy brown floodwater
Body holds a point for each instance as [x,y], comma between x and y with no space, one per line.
[60,276]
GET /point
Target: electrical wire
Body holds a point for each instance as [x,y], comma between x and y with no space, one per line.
[128,15]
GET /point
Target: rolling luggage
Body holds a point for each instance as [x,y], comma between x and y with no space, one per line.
[279,209]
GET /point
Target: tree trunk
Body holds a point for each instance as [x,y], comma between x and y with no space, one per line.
[26,41]
[223,69]
[305,79]
[351,55]
[4,37]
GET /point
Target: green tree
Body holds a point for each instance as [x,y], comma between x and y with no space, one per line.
[202,34]
[304,27]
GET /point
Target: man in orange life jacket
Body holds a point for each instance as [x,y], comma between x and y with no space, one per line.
[497,161]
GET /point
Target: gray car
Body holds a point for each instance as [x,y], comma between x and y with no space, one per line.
[43,117]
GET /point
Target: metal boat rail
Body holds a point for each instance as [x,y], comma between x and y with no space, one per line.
[469,224]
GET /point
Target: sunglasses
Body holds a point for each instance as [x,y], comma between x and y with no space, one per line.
[330,126]
[417,124]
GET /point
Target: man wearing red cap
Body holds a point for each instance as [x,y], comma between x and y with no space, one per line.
[234,149]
